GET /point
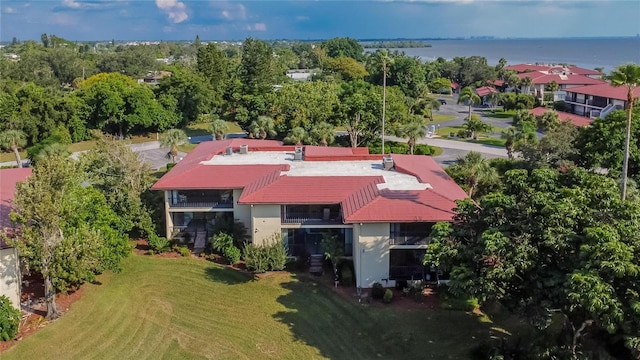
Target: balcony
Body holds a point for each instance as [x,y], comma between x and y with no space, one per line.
[409,240]
[311,214]
[201,199]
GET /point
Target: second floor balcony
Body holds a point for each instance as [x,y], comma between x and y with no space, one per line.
[201,199]
[311,214]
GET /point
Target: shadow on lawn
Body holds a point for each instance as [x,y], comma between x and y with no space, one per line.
[227,275]
[344,329]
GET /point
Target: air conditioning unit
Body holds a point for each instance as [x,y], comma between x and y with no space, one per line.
[387,163]
[229,150]
[244,149]
[297,155]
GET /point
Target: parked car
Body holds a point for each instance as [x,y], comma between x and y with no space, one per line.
[442,101]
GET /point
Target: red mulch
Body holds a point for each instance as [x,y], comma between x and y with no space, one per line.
[34,290]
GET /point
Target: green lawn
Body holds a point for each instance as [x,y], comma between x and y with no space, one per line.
[200,129]
[445,131]
[438,118]
[192,309]
[499,114]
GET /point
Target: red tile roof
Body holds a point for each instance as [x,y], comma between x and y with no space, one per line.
[308,189]
[485,90]
[429,172]
[576,120]
[522,68]
[190,174]
[216,177]
[570,79]
[8,180]
[454,85]
[605,90]
[404,206]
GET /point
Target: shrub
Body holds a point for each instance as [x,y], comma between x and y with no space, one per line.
[270,256]
[388,295]
[183,250]
[422,149]
[221,241]
[158,244]
[9,319]
[238,231]
[377,291]
[232,254]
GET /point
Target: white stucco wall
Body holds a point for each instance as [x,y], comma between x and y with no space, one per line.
[167,217]
[10,276]
[371,254]
[265,222]
[241,212]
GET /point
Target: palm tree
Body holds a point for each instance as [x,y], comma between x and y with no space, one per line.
[263,127]
[13,140]
[509,137]
[476,126]
[324,133]
[219,128]
[174,138]
[296,136]
[413,130]
[626,75]
[526,84]
[548,120]
[477,169]
[468,95]
[383,59]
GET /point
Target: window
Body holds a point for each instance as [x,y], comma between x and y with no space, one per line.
[410,233]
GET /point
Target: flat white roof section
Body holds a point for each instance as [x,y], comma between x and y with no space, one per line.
[393,179]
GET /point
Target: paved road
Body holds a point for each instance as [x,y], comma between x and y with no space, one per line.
[150,152]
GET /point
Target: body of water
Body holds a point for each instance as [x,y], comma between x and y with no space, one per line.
[586,53]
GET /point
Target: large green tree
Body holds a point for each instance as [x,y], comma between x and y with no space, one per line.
[338,47]
[117,172]
[69,233]
[120,106]
[558,248]
[628,76]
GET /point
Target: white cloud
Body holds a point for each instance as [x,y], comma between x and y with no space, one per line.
[260,27]
[9,10]
[176,10]
[72,4]
[230,11]
[302,18]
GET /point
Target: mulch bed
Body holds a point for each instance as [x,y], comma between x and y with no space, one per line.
[33,289]
[429,300]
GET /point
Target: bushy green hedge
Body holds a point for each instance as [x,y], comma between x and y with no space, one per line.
[392,147]
[270,256]
[222,243]
[9,319]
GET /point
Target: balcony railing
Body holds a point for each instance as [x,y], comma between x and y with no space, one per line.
[309,219]
[408,240]
[202,203]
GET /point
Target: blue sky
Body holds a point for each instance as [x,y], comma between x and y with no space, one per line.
[218,20]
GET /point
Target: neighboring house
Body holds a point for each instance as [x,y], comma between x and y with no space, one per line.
[154,77]
[10,280]
[300,74]
[597,100]
[455,88]
[483,92]
[565,77]
[382,209]
[576,120]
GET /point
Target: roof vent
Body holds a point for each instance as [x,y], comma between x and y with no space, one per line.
[297,155]
[244,149]
[229,150]
[387,163]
